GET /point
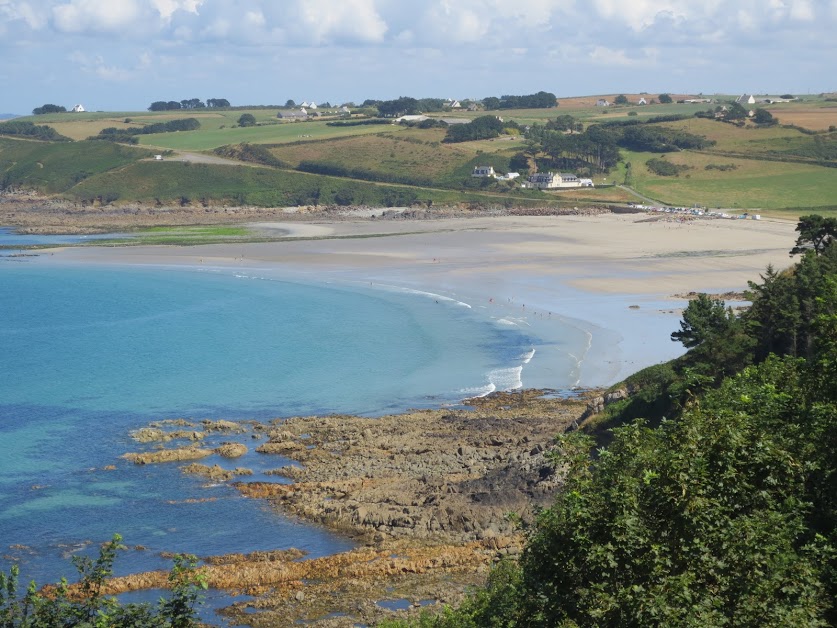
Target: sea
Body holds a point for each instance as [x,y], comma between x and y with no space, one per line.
[89,353]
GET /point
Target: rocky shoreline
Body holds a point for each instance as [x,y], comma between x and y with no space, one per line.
[38,214]
[427,494]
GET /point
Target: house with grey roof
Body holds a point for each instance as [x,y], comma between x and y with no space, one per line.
[293,115]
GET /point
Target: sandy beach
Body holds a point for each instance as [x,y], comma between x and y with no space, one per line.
[612,274]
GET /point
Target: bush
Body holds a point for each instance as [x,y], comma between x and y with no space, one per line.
[665,168]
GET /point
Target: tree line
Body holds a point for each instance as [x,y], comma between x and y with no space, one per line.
[713,501]
[128,135]
[190,103]
[31,130]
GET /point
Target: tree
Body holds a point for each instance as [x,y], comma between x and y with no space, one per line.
[665,99]
[192,103]
[49,109]
[815,233]
[403,106]
[217,102]
[490,103]
[247,119]
[621,99]
[735,111]
[763,116]
[290,104]
[703,319]
[84,604]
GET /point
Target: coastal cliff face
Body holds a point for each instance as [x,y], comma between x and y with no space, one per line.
[429,494]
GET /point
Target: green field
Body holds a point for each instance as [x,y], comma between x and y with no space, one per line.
[278,133]
[752,184]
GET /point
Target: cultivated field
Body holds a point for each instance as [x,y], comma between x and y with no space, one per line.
[816,118]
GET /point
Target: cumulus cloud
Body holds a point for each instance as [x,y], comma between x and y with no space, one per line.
[493,41]
[80,16]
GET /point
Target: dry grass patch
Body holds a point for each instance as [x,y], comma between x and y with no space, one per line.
[818,119]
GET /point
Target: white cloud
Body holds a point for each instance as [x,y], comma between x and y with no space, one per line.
[79,16]
[346,20]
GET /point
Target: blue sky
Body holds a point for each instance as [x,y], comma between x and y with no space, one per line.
[121,55]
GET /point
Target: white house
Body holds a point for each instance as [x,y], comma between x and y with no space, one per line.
[551,181]
[601,102]
[313,105]
[642,101]
[511,176]
[586,183]
[78,109]
[484,171]
[747,99]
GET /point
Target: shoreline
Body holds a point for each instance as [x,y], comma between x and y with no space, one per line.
[614,276]
[590,272]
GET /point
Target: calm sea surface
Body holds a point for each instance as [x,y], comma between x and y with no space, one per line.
[88,354]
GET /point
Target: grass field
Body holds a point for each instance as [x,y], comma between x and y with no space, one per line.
[207,139]
[752,184]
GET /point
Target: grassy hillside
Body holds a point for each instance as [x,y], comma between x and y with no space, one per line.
[167,180]
[768,168]
[57,167]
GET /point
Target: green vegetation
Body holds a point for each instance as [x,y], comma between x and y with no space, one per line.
[128,136]
[715,501]
[56,168]
[541,100]
[752,164]
[85,605]
[482,128]
[38,111]
[32,131]
[665,168]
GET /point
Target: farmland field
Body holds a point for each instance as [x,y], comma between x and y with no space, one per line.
[816,118]
[748,184]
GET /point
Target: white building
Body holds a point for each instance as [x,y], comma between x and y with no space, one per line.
[78,109]
[484,171]
[601,102]
[747,99]
[642,101]
[552,181]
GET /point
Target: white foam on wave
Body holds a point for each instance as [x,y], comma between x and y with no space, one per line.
[478,391]
[580,360]
[527,357]
[506,379]
[505,321]
[429,295]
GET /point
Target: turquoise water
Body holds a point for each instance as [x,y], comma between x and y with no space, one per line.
[90,353]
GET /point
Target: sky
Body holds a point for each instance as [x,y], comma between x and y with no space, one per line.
[121,55]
